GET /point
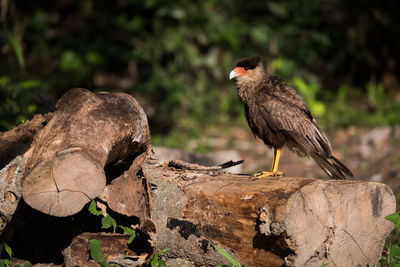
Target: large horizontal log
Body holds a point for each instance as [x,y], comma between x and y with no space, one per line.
[65,166]
[269,222]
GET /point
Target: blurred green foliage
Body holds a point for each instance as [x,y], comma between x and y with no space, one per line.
[174,57]
[391,252]
[18,102]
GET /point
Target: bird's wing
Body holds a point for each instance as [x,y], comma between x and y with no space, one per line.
[294,120]
[288,94]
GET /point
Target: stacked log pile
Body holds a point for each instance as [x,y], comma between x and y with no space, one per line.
[97,146]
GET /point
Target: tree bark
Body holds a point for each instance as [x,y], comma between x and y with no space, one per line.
[10,190]
[269,222]
[65,167]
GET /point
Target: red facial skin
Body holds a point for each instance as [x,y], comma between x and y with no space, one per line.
[239,71]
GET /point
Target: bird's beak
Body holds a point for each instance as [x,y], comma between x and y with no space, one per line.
[232,75]
[237,72]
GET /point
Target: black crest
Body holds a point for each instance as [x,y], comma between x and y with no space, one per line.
[249,62]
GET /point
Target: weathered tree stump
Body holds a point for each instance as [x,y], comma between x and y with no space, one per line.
[65,165]
[269,222]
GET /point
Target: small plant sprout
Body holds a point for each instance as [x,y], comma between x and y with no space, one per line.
[107,221]
[156,261]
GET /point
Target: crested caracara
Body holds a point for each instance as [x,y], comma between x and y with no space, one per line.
[278,115]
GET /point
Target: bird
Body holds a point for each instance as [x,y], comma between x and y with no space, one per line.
[279,117]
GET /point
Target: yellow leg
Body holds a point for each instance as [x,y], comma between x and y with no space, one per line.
[275,162]
[274,169]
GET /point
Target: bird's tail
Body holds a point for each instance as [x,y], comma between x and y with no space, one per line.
[333,167]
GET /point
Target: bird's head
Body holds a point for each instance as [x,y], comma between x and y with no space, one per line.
[248,69]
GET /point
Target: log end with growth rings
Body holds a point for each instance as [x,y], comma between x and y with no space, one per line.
[48,190]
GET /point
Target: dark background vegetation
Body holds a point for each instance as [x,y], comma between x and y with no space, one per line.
[175,56]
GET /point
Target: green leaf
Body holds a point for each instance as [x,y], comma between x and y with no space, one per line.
[129,231]
[154,261]
[164,251]
[325,264]
[395,218]
[8,250]
[107,222]
[161,263]
[93,209]
[28,264]
[5,263]
[95,251]
[228,256]
[394,251]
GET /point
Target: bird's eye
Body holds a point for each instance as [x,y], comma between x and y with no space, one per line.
[246,68]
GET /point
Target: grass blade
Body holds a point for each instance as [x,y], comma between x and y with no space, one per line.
[228,256]
[16,46]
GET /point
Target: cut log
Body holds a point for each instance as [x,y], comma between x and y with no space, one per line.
[65,164]
[269,222]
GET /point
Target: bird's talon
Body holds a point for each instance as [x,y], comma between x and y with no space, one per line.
[259,175]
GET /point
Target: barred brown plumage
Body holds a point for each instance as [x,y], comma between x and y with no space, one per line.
[279,116]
